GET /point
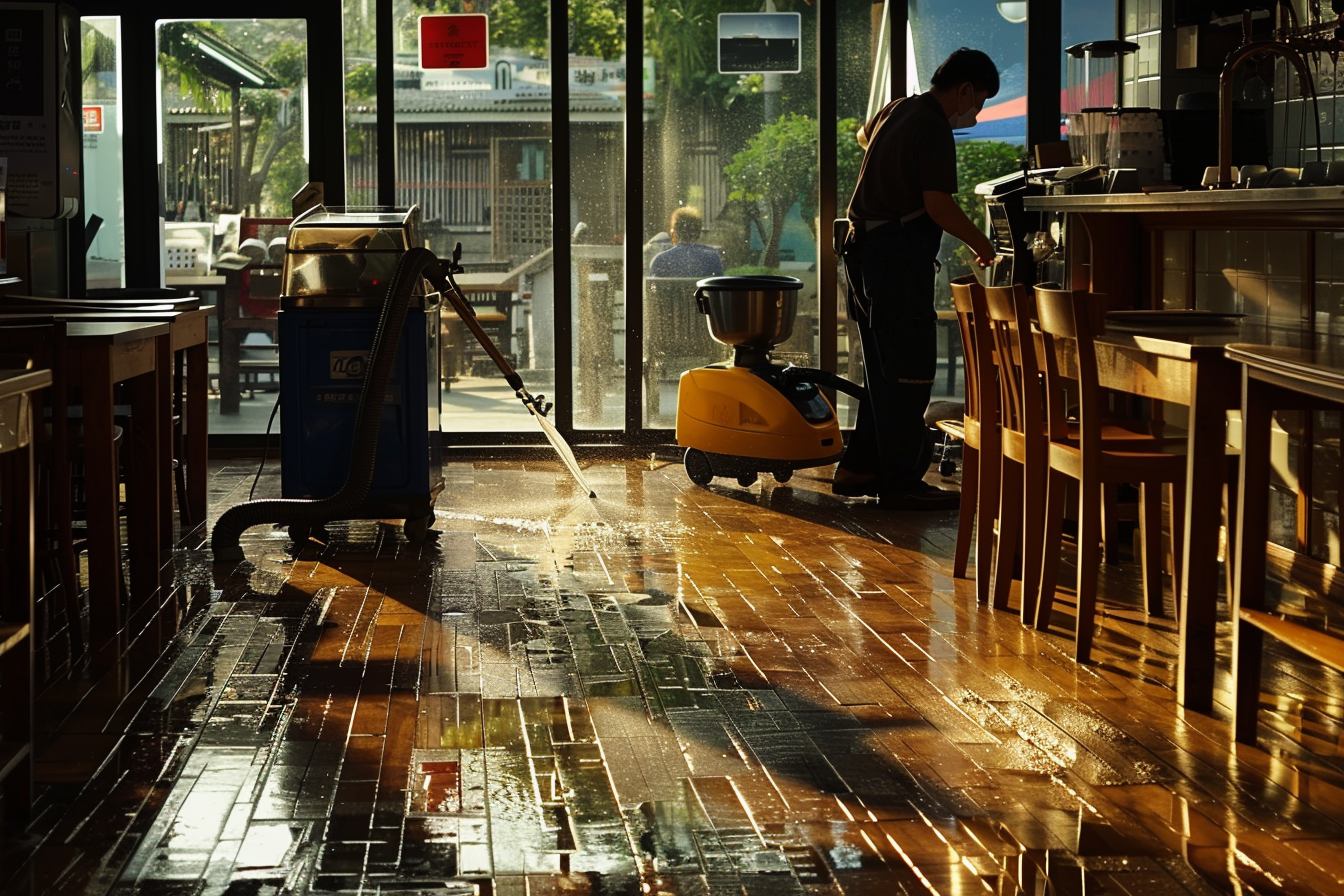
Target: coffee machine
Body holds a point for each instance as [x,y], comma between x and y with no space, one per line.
[1026,243]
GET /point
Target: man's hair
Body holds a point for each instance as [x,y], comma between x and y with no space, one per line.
[965,65]
[687,223]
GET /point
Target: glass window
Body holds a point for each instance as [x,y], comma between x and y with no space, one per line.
[104,180]
[233,151]
[734,158]
[474,152]
[360,28]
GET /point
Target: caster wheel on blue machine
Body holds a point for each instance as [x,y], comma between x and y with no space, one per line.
[698,469]
[782,476]
[417,529]
[746,480]
[947,467]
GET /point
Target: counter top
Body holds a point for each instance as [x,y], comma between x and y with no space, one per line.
[1281,199]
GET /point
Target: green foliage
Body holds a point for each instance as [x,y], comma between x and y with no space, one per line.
[361,82]
[977,162]
[849,159]
[289,63]
[596,27]
[779,162]
[683,36]
[776,169]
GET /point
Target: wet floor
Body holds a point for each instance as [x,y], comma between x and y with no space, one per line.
[666,690]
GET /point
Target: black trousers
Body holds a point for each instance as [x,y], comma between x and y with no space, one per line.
[891,273]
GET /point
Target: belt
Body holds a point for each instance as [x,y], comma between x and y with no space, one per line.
[866,226]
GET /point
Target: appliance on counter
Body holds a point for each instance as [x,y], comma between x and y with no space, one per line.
[1024,240]
[1102,131]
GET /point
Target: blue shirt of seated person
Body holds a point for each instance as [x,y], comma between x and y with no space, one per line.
[687,258]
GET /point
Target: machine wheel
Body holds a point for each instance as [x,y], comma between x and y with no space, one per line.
[697,466]
[746,479]
[947,467]
[783,475]
[417,529]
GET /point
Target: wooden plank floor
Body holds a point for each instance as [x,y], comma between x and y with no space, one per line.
[666,690]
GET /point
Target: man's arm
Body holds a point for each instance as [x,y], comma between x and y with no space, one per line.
[945,212]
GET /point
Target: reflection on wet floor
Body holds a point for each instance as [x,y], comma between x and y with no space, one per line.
[667,690]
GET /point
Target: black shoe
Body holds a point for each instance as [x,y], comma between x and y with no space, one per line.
[921,496]
[855,485]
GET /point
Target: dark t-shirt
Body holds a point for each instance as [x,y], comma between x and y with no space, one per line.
[687,260]
[910,150]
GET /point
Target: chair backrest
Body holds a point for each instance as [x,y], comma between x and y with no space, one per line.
[673,325]
[1011,311]
[1066,324]
[968,298]
[259,284]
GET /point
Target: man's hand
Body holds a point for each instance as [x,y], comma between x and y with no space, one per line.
[985,255]
[949,216]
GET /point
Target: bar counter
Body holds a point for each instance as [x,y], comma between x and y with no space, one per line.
[1289,200]
[1129,247]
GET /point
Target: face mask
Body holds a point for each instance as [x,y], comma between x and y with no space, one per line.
[963,120]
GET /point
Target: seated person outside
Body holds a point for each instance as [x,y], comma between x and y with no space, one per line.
[687,258]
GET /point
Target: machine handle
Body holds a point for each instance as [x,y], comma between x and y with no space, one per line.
[443,281]
[701,302]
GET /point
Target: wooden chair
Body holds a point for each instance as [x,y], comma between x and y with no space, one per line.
[979,432]
[1012,312]
[1066,323]
[1023,435]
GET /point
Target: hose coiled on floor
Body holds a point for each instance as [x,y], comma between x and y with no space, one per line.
[364,451]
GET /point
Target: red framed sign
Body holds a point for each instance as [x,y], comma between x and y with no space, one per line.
[454,41]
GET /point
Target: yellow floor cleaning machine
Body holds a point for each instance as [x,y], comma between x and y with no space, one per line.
[755,415]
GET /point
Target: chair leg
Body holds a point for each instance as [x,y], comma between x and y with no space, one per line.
[1010,529]
[1177,541]
[1230,510]
[1033,534]
[1150,536]
[1057,485]
[986,508]
[970,478]
[1089,550]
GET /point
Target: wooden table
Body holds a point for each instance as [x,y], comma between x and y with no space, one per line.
[103,354]
[1189,367]
[188,335]
[16,590]
[1272,377]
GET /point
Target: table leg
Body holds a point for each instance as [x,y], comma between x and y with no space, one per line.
[1212,389]
[1252,534]
[196,427]
[163,363]
[146,475]
[101,497]
[230,340]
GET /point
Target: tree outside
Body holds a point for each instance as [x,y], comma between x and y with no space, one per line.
[272,163]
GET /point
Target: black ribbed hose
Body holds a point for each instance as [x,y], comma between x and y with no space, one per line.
[823,378]
[364,450]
